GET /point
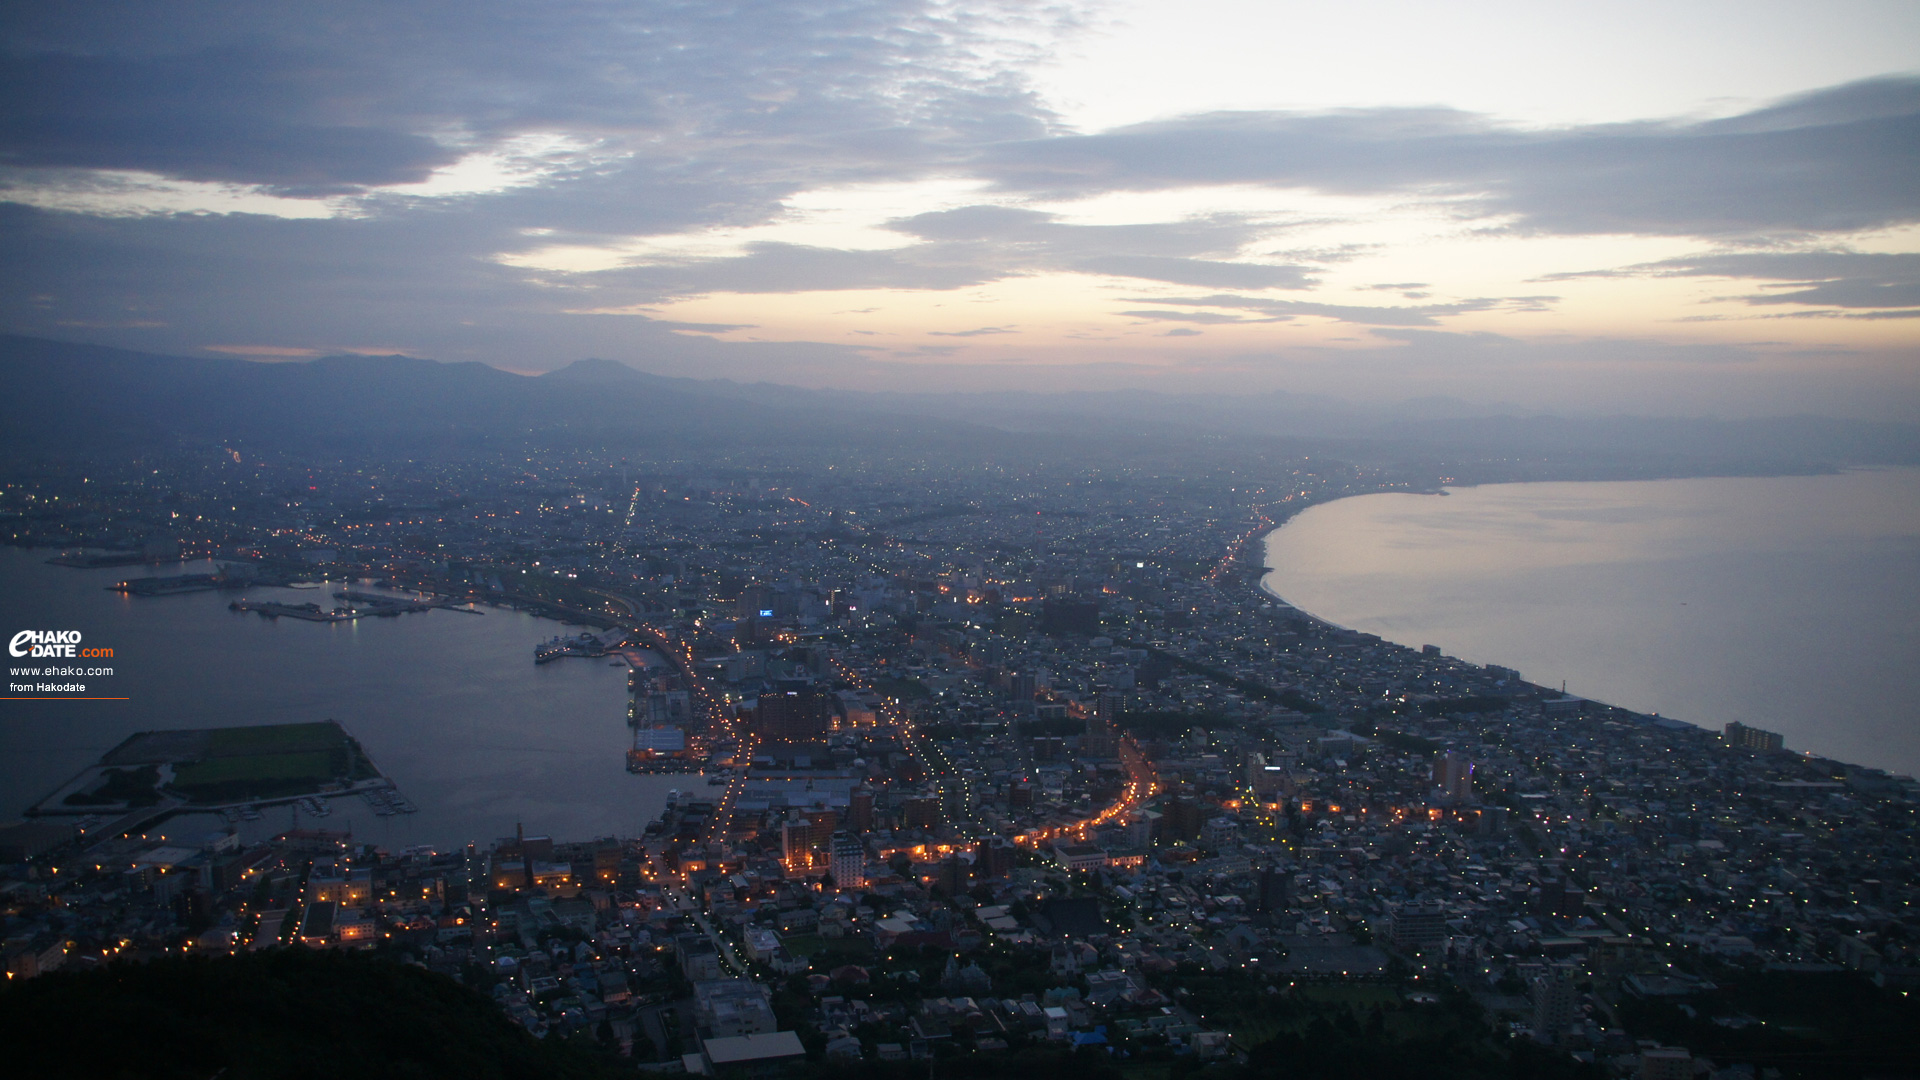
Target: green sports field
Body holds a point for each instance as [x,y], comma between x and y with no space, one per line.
[219,765]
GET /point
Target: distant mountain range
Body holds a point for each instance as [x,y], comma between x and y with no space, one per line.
[65,396]
[1422,429]
[85,396]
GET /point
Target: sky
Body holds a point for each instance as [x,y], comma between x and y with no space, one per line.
[1678,208]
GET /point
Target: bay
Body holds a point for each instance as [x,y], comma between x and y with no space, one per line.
[1787,603]
[448,704]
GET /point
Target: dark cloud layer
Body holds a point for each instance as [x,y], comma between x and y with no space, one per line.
[1843,279]
[1842,159]
[348,94]
[245,116]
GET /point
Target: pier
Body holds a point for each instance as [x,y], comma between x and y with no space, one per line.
[360,605]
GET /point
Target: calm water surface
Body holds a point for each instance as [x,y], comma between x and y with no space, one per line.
[450,705]
[1788,603]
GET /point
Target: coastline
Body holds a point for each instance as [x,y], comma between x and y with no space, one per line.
[455,710]
[1687,661]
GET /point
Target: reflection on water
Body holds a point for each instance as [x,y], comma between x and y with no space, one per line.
[1783,602]
[449,704]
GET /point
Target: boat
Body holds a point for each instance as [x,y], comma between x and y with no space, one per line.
[579,645]
[250,812]
[306,584]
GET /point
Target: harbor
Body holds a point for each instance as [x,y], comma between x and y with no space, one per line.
[231,772]
[359,605]
[442,704]
[585,645]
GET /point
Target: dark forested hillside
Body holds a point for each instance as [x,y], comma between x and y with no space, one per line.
[280,1014]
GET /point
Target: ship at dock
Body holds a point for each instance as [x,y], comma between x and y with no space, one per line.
[585,644]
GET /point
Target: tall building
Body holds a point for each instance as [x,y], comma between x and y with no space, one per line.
[1184,819]
[796,844]
[1103,727]
[848,862]
[860,810]
[1270,898]
[1021,686]
[951,877]
[1453,777]
[514,859]
[1753,738]
[723,1007]
[756,601]
[994,858]
[1665,1063]
[1060,615]
[1415,925]
[1555,1006]
[1266,778]
[920,812]
[607,857]
[798,715]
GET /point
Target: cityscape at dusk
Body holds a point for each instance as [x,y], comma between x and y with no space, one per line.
[1232,541]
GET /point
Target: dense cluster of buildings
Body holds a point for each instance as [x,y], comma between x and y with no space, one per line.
[980,758]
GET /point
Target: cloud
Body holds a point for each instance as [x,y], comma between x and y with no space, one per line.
[701,327]
[979,332]
[1045,233]
[1018,239]
[357,95]
[1418,315]
[1480,347]
[346,175]
[789,268]
[248,115]
[945,249]
[1848,293]
[1191,316]
[1832,278]
[1202,272]
[265,352]
[1837,160]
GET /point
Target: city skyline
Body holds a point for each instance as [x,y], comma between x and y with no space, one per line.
[1229,540]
